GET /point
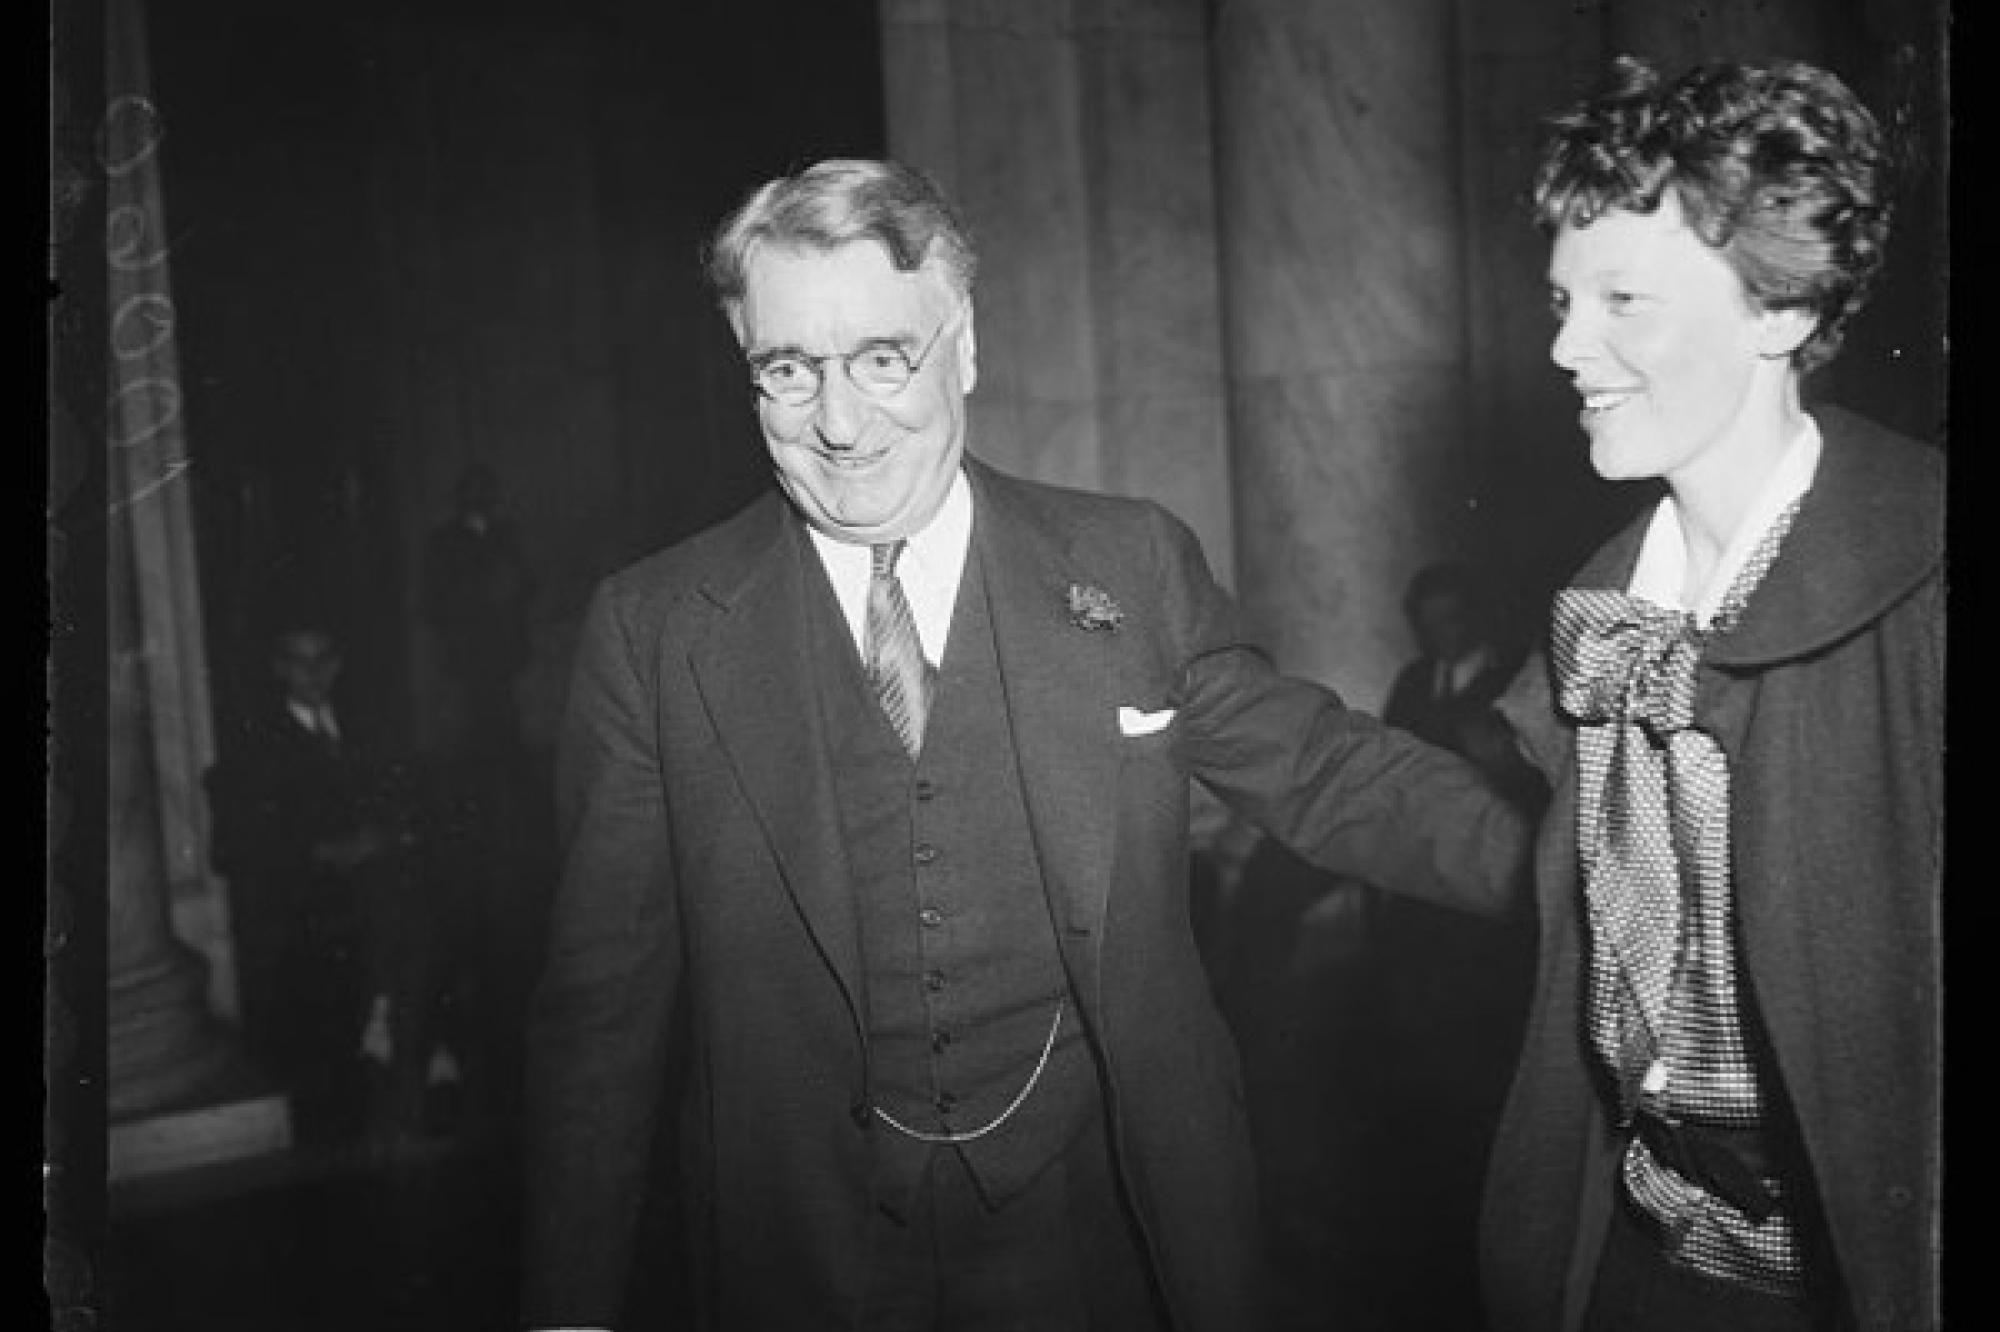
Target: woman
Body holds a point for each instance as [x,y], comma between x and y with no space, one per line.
[1726,1114]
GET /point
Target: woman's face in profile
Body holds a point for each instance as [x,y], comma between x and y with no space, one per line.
[1665,347]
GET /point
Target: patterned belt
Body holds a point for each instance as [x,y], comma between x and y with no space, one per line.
[1731,1163]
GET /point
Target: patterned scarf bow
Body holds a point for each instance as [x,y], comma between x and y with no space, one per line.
[1625,659]
[1649,782]
[1663,1011]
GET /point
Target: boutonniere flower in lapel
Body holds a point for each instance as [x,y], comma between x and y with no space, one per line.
[1093,608]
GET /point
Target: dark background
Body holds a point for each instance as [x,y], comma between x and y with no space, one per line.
[406,236]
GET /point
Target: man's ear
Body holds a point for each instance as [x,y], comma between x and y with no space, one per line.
[1782,332]
[968,352]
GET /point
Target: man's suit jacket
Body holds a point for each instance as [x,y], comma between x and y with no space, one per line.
[277,792]
[704,867]
[278,789]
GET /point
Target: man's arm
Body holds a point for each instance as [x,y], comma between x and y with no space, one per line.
[598,1030]
[1337,786]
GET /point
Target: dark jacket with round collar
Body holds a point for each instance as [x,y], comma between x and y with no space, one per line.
[1828,698]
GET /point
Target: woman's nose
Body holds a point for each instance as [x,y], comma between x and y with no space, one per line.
[1572,341]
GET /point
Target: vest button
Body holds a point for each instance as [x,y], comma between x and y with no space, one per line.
[934,981]
[931,917]
[925,789]
[940,1039]
[926,853]
[946,1103]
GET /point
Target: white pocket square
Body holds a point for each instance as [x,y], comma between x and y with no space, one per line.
[1131,721]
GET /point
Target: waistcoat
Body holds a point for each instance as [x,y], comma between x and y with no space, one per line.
[962,971]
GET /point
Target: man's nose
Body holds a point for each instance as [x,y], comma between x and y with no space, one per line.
[841,409]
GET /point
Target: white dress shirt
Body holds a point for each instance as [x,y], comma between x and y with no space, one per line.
[929,570]
[319,720]
[1449,679]
[1662,568]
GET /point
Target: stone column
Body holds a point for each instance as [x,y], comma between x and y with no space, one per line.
[1076,135]
[162,1042]
[163,1046]
[1342,260]
[176,1090]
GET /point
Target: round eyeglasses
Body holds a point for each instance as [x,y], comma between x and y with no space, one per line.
[881,369]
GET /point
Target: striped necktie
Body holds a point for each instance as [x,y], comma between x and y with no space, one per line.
[896,665]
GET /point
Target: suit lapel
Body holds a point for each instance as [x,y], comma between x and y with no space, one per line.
[1059,684]
[756,677]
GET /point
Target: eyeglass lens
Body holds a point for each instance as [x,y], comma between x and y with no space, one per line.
[880,369]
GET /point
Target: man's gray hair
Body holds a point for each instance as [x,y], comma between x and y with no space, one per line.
[837,202]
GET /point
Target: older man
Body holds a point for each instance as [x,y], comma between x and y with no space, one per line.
[883,785]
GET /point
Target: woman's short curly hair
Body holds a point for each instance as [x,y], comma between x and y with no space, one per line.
[1779,167]
[836,202]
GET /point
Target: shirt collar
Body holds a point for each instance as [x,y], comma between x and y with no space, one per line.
[932,561]
[317,719]
[936,553]
[1460,672]
[1662,566]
